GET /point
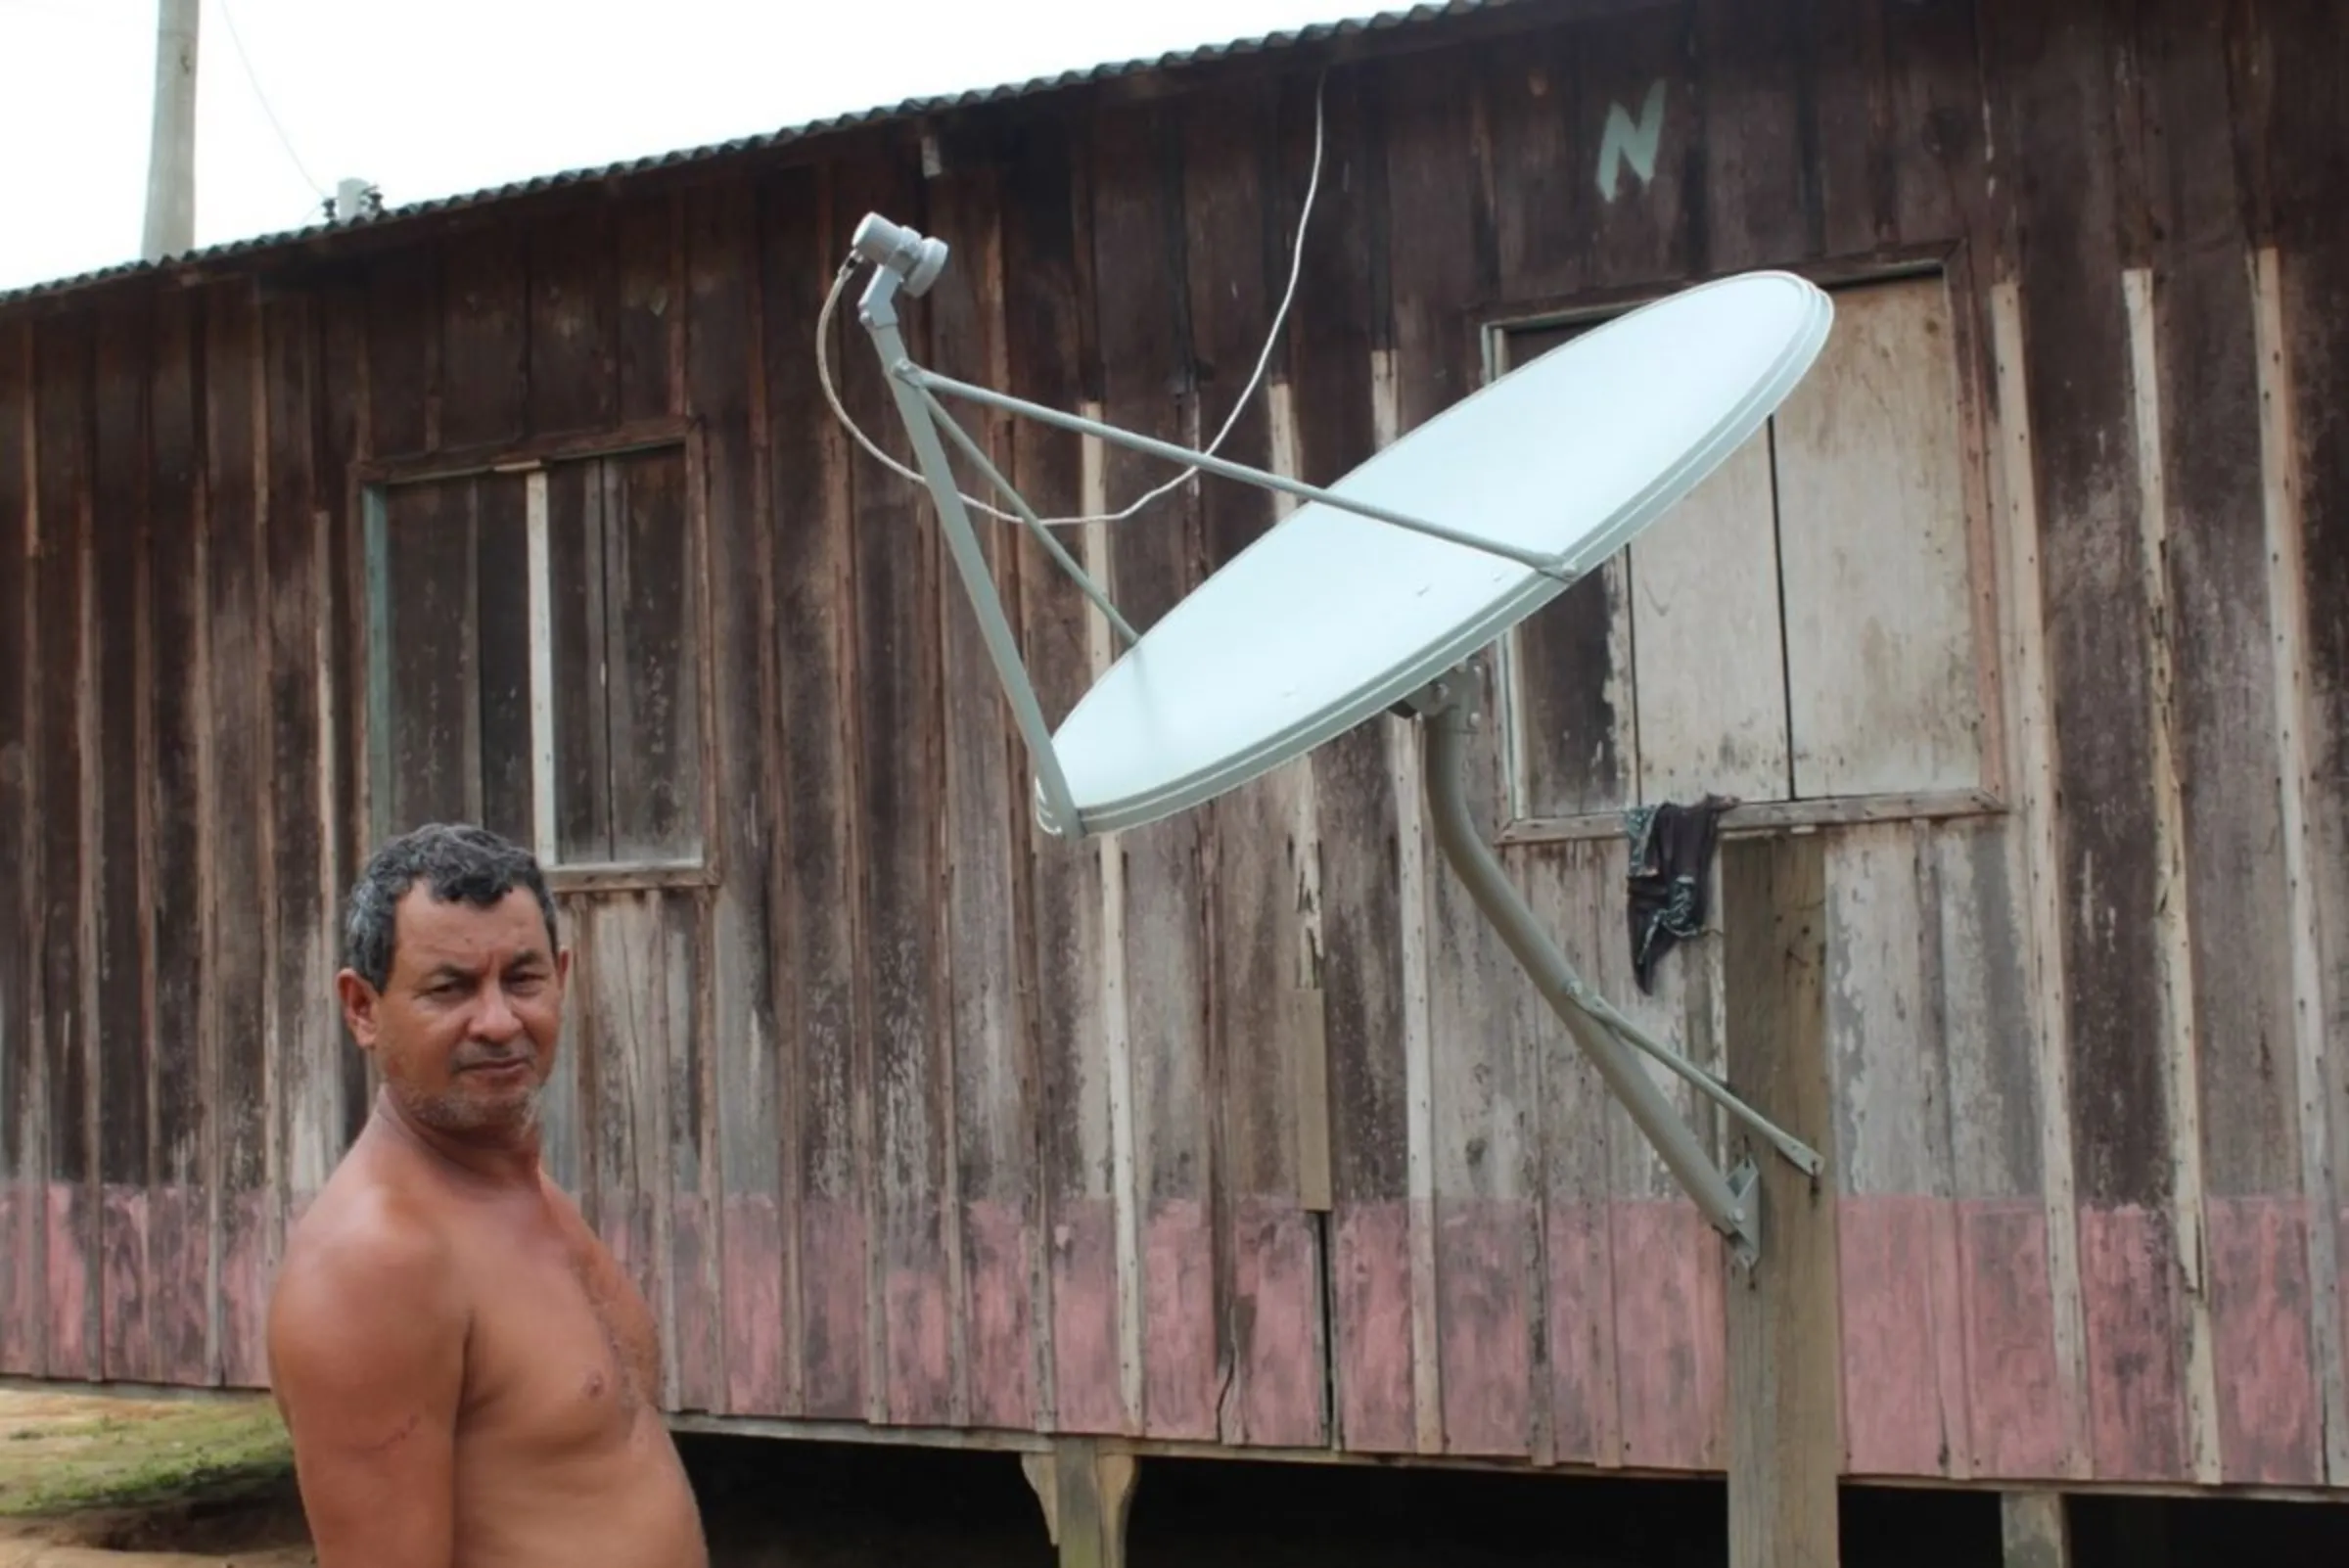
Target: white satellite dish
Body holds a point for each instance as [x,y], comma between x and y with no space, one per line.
[1376,592]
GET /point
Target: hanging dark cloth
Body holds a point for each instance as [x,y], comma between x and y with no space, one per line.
[1672,853]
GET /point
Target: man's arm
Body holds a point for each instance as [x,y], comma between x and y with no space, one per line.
[367,1362]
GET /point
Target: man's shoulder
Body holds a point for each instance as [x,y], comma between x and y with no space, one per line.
[363,1243]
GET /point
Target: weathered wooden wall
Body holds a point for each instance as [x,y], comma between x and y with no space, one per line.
[1239,1128]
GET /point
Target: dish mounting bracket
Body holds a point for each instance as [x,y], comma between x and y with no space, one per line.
[1449,712]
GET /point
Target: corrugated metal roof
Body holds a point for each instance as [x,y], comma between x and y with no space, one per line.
[911,107]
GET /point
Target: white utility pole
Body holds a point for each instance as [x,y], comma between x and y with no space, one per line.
[171,156]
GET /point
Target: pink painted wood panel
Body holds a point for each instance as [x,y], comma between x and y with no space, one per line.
[72,1352]
[2136,1384]
[22,1308]
[2015,1397]
[246,1246]
[1484,1304]
[1087,1396]
[751,1287]
[124,1301]
[1670,1335]
[832,1309]
[1372,1327]
[698,1316]
[999,1251]
[1585,1423]
[2270,1424]
[914,1300]
[1278,1325]
[181,1249]
[1179,1374]
[1903,1336]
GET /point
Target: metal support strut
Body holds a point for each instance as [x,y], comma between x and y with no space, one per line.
[1729,1203]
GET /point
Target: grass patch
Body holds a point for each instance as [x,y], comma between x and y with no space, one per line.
[99,1454]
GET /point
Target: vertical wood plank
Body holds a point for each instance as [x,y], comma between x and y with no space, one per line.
[2033,855]
[624,969]
[684,1246]
[1936,134]
[430,651]
[179,790]
[652,651]
[1903,1350]
[1978,988]
[309,1120]
[1483,1089]
[237,803]
[2307,504]
[728,388]
[2061,115]
[895,563]
[345,430]
[815,939]
[2180,1043]
[1047,269]
[646,233]
[1576,1127]
[1770,107]
[1541,159]
[403,352]
[503,793]
[1148,384]
[1266,998]
[24,1315]
[565,1106]
[572,327]
[577,502]
[2227,754]
[1784,1442]
[1340,312]
[993,1247]
[484,336]
[1847,135]
[62,522]
[123,1026]
[2316,1068]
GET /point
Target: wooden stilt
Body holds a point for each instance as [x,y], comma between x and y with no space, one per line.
[2037,1534]
[1785,1438]
[1085,1492]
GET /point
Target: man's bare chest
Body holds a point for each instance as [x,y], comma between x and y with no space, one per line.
[563,1355]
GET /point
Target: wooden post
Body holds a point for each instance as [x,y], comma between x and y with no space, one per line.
[2037,1534]
[1785,1434]
[1086,1492]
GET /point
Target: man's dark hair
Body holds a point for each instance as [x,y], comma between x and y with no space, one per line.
[454,861]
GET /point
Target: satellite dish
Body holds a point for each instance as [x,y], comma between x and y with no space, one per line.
[1372,595]
[1331,617]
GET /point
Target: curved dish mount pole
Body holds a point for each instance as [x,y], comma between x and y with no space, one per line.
[904,261]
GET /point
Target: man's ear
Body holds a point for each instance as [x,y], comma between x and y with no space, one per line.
[359,1003]
[562,966]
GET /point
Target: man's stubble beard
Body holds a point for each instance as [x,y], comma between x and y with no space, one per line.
[454,1112]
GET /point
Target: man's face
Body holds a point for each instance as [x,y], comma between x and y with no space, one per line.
[464,1028]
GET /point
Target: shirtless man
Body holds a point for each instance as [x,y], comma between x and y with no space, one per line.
[469,1379]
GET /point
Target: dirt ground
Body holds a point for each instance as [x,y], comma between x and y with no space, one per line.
[94,1480]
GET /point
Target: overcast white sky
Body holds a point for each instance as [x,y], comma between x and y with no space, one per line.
[433,97]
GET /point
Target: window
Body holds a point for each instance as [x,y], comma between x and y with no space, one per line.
[535,650]
[1803,632]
